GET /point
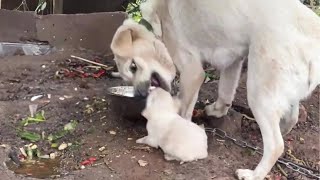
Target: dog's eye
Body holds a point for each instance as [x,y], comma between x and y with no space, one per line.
[133,67]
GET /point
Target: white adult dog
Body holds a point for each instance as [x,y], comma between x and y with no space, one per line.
[280,38]
[179,139]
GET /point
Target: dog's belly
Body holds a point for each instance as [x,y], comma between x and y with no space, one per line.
[217,38]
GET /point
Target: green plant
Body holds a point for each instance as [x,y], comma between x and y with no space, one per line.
[133,10]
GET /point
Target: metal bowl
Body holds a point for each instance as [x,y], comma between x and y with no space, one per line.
[124,104]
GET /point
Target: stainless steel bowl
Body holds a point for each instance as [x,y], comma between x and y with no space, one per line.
[124,104]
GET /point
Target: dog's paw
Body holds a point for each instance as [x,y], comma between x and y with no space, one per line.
[214,110]
[140,141]
[245,174]
[168,157]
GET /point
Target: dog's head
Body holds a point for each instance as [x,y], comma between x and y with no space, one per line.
[159,101]
[142,59]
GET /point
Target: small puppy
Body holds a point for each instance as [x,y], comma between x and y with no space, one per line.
[180,139]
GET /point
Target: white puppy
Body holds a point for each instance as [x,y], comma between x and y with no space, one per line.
[180,139]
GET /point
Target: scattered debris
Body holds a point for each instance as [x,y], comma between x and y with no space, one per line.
[30,136]
[68,128]
[301,140]
[167,172]
[144,148]
[142,163]
[3,146]
[113,132]
[36,97]
[62,146]
[39,117]
[52,155]
[102,148]
[71,126]
[198,113]
[88,161]
[92,62]
[303,115]
[33,109]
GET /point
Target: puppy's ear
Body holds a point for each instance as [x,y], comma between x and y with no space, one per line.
[122,42]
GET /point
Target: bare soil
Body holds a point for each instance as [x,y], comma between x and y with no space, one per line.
[22,77]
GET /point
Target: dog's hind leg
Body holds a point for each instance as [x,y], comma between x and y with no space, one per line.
[268,105]
[228,84]
[290,119]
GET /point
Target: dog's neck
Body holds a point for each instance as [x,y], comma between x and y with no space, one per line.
[148,26]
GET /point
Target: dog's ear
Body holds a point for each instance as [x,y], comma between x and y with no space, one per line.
[122,42]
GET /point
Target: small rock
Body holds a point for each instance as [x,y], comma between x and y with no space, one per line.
[112,132]
[301,140]
[142,163]
[33,147]
[67,97]
[130,139]
[167,172]
[302,114]
[52,155]
[62,146]
[82,167]
[61,98]
[45,157]
[102,148]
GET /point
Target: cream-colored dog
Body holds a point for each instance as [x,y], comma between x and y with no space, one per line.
[280,39]
[179,139]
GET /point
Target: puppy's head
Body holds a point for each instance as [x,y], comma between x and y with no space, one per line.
[159,101]
[142,59]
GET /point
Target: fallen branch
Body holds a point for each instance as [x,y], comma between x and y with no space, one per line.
[92,62]
[282,171]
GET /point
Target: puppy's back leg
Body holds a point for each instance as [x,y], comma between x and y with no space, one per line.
[290,119]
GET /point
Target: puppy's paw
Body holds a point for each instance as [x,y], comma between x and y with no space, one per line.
[216,110]
[245,174]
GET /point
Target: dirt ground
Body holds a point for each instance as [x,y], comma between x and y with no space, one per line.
[86,101]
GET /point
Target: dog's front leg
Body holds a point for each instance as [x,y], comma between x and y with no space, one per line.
[228,84]
[191,78]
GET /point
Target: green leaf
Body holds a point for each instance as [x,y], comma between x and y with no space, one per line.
[39,117]
[71,126]
[30,136]
[56,136]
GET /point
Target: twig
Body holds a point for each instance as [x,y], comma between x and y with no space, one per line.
[115,74]
[246,116]
[92,62]
[282,171]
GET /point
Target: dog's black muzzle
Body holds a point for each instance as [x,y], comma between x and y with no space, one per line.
[142,89]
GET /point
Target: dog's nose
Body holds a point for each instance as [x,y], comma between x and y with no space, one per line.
[141,93]
[142,90]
